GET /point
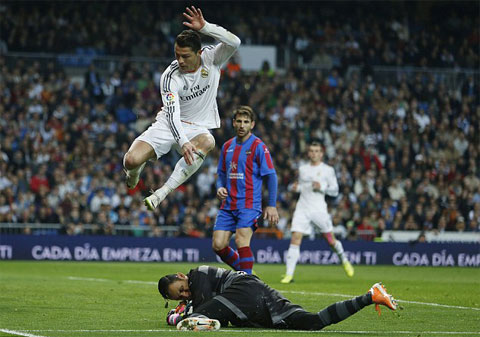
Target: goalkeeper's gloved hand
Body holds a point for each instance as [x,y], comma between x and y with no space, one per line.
[174,318]
[176,315]
[180,308]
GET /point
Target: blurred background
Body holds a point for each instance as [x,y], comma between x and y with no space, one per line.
[390,88]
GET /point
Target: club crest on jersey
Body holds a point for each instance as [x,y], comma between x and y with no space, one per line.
[204,73]
[170,97]
[248,152]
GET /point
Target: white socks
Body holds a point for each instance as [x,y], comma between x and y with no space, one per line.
[292,258]
[338,248]
[183,171]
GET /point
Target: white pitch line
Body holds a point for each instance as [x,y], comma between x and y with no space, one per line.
[284,291]
[19,333]
[88,279]
[107,280]
[229,330]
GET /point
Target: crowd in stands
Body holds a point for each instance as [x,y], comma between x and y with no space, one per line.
[407,155]
[328,34]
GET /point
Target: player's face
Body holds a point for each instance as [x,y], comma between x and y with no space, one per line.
[243,126]
[187,59]
[315,153]
[178,290]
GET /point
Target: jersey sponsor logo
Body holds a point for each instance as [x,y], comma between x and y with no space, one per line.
[248,152]
[238,176]
[204,73]
[233,166]
[196,93]
[170,97]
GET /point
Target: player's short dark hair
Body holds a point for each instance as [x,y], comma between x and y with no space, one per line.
[189,38]
[244,110]
[315,142]
[165,282]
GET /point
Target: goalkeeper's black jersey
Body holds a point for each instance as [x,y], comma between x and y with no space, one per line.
[253,302]
[205,282]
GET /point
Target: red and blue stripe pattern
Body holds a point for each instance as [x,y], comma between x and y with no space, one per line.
[242,166]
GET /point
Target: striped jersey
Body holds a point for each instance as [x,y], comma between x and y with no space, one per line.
[240,170]
[192,97]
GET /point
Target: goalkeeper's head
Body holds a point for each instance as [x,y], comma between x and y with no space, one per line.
[174,287]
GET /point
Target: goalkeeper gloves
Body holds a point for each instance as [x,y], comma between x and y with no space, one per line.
[173,318]
[176,315]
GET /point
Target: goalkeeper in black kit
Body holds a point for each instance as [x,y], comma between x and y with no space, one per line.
[217,296]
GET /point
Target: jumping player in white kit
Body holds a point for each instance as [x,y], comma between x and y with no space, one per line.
[316,179]
[189,90]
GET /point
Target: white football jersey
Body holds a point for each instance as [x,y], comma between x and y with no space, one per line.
[192,97]
[325,175]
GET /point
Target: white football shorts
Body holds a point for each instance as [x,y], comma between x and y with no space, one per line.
[159,136]
[304,220]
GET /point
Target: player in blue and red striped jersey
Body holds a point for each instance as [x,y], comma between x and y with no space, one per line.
[244,162]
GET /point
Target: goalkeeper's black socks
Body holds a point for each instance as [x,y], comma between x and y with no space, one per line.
[303,320]
[341,310]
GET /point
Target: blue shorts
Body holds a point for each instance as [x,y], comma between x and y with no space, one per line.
[230,220]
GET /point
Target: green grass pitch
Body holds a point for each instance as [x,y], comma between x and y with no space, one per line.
[83,299]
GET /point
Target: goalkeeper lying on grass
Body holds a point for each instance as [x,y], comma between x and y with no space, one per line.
[219,296]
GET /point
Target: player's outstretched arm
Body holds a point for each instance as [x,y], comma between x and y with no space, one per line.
[229,42]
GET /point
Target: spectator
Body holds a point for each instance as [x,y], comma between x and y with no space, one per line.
[98,200]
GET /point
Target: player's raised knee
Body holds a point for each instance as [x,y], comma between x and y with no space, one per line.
[131,160]
[210,142]
[205,142]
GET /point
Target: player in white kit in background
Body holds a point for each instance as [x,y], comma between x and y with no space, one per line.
[316,179]
[189,93]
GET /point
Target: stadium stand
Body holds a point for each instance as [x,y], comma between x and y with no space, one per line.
[395,102]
